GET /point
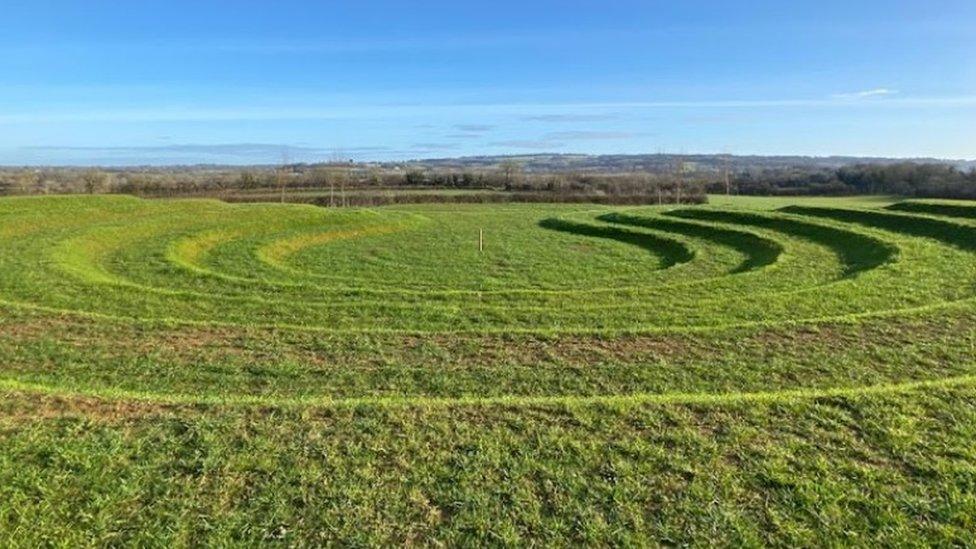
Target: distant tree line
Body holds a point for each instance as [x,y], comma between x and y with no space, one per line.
[348,184]
[903,179]
[335,184]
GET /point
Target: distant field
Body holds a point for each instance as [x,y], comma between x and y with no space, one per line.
[754,371]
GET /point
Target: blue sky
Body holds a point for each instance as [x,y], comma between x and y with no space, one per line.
[98,82]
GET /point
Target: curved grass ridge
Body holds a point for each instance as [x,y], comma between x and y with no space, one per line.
[759,252]
[857,252]
[930,207]
[945,231]
[616,400]
[805,286]
[671,252]
[277,253]
[545,271]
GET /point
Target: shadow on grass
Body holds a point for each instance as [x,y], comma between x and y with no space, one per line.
[947,232]
[671,252]
[857,252]
[759,251]
[948,210]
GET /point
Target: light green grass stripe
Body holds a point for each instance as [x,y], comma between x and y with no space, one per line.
[849,318]
[625,400]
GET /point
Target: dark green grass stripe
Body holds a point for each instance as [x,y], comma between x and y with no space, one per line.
[670,251]
[954,234]
[857,252]
[936,208]
[759,251]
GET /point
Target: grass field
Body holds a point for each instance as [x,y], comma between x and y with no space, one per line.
[756,371]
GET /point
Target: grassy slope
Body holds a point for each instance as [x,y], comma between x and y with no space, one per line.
[849,430]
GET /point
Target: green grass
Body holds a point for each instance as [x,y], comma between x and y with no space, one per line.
[951,208]
[754,371]
[776,202]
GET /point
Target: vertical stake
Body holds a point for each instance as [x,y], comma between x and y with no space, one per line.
[481,240]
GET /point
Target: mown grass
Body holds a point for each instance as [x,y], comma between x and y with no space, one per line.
[957,208]
[755,371]
[879,470]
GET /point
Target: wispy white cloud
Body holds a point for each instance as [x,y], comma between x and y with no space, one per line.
[473,128]
[555,140]
[218,149]
[391,111]
[587,135]
[470,131]
[570,117]
[540,144]
[433,147]
[230,153]
[865,94]
[191,153]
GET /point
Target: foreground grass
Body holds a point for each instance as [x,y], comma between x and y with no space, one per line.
[884,469]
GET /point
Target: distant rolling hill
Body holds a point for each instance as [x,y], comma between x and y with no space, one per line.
[665,162]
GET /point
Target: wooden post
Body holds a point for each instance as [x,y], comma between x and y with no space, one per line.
[481,240]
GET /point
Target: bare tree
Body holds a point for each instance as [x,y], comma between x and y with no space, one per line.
[511,171]
[333,175]
[374,176]
[341,176]
[282,175]
[25,182]
[679,169]
[94,181]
